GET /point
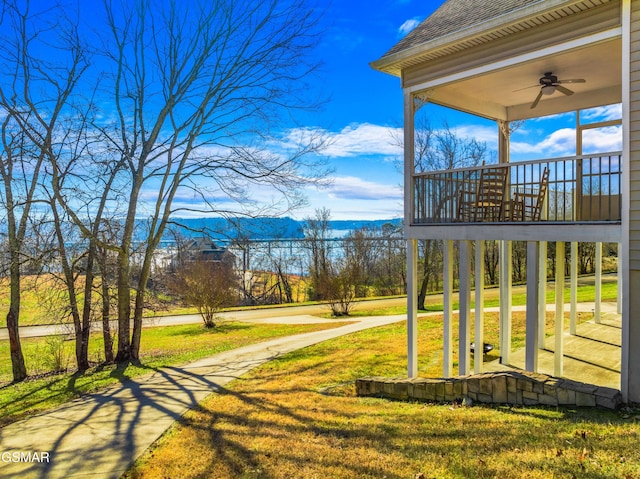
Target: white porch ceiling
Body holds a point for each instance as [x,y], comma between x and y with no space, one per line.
[502,94]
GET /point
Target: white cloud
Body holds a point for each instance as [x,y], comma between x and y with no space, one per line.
[483,134]
[408,25]
[602,113]
[361,139]
[354,188]
[602,140]
[354,140]
[563,142]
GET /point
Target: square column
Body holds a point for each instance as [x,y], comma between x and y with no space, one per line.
[542,292]
[506,275]
[464,326]
[559,319]
[448,310]
[478,337]
[532,315]
[412,308]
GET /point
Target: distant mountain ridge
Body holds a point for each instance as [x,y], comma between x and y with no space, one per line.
[267,228]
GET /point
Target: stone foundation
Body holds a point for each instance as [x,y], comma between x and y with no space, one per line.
[509,387]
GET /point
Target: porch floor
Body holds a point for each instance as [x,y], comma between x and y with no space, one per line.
[591,356]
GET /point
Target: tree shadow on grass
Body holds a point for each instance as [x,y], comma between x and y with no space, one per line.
[199,329]
[238,435]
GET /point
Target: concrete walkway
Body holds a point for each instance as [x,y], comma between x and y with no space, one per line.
[274,314]
[100,435]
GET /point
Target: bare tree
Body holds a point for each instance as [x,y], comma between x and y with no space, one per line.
[390,275]
[316,233]
[209,286]
[34,93]
[338,286]
[196,90]
[362,252]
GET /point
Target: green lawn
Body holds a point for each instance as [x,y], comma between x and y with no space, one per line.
[161,346]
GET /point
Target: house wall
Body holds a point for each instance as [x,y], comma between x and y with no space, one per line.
[633,325]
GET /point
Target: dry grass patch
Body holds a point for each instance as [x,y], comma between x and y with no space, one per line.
[298,417]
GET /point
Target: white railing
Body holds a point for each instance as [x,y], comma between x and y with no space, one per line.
[582,189]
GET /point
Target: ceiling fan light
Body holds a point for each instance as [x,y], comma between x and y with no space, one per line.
[548,89]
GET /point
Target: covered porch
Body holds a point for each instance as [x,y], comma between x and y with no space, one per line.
[510,67]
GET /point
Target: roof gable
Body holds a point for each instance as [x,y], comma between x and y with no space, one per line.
[454,16]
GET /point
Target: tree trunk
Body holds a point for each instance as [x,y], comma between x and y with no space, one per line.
[17,358]
[124,308]
[86,311]
[422,294]
[106,311]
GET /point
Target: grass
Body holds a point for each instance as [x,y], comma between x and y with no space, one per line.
[298,416]
[35,289]
[162,346]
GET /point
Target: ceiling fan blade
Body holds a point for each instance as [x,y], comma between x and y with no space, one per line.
[564,90]
[526,88]
[535,102]
[575,80]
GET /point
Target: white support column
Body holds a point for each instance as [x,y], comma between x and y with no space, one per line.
[533,290]
[505,300]
[619,280]
[412,244]
[412,308]
[478,337]
[574,289]
[448,310]
[558,354]
[409,156]
[464,326]
[598,265]
[542,293]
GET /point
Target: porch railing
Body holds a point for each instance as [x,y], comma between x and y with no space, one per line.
[576,190]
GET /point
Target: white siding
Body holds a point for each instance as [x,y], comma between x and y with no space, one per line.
[634,153]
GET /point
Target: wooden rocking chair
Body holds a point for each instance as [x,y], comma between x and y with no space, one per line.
[527,206]
[486,203]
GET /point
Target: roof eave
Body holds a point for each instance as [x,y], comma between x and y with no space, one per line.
[392,64]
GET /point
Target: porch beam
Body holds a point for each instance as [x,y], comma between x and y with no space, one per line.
[606,233]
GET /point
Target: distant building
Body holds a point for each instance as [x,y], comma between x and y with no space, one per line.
[201,249]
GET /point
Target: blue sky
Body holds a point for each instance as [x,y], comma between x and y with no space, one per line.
[366,105]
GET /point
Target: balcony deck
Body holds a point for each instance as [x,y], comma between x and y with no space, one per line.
[572,198]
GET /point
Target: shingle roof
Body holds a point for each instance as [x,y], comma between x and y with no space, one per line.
[454,16]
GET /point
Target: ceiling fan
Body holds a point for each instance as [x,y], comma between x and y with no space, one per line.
[549,83]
